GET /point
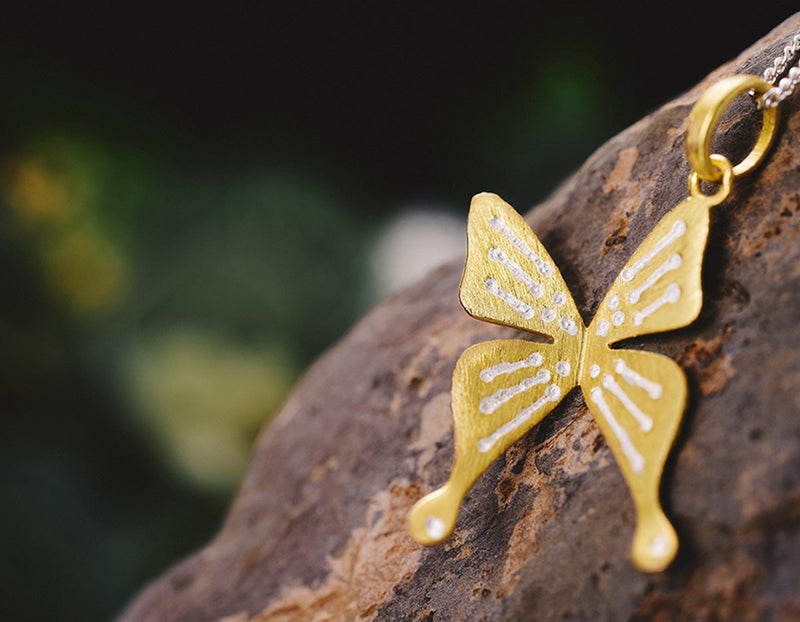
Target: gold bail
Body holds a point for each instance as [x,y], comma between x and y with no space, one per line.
[706,114]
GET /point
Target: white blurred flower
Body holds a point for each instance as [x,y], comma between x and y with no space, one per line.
[415,242]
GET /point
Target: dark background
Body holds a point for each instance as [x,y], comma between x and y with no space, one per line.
[188,203]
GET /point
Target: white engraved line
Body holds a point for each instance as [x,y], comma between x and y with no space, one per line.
[497,255]
[628,448]
[498,224]
[673,263]
[491,403]
[678,229]
[671,295]
[654,390]
[490,373]
[551,394]
[523,308]
[644,421]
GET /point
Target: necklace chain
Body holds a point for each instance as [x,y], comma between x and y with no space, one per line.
[785,87]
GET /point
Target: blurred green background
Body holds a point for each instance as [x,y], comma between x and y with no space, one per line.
[194,205]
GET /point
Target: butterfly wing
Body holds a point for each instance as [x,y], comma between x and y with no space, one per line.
[503,388]
[500,390]
[638,399]
[510,278]
[659,289]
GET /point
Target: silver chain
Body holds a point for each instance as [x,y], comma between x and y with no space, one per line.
[787,84]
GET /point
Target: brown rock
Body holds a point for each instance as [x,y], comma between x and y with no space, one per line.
[317,530]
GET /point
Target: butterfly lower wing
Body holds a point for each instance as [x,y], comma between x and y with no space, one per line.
[638,399]
[500,390]
[659,289]
[509,277]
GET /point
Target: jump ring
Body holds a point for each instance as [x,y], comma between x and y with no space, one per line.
[706,114]
[726,172]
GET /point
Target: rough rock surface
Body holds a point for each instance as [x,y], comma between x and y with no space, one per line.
[317,530]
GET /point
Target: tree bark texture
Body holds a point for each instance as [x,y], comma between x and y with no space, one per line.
[317,530]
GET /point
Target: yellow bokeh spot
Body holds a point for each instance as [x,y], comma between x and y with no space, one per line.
[80,263]
[35,192]
[203,398]
[85,270]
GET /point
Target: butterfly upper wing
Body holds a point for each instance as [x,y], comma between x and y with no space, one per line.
[510,278]
[659,289]
[500,390]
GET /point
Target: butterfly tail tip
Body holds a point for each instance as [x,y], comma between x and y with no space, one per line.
[432,519]
[655,544]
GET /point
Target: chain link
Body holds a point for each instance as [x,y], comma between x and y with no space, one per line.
[787,84]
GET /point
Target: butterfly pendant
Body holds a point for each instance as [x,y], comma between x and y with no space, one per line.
[503,388]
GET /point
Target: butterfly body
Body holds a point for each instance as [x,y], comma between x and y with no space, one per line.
[503,388]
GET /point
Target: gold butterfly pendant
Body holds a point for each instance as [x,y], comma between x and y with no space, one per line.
[503,388]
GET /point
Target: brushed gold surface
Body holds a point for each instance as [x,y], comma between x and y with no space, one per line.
[681,233]
[481,237]
[471,425]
